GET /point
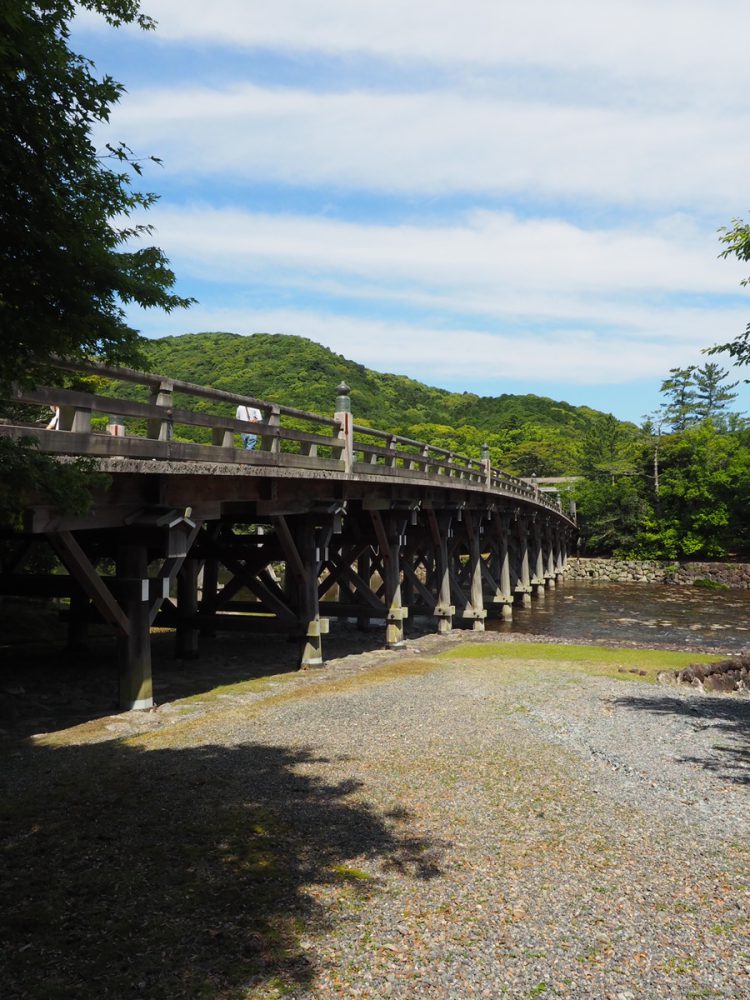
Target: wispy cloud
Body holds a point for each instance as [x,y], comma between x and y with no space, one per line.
[437,143]
[482,252]
[513,361]
[530,299]
[701,44]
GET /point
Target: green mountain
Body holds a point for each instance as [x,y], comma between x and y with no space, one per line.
[527,434]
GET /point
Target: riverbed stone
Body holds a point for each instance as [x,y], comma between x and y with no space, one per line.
[720,682]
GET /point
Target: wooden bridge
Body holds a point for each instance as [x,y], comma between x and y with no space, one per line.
[324,519]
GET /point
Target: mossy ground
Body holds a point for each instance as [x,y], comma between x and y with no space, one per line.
[602,661]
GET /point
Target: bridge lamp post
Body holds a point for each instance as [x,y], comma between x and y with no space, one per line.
[346,431]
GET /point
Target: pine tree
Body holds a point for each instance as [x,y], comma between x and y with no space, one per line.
[680,410]
[711,397]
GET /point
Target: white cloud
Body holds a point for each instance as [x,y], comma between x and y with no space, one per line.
[437,143]
[453,356]
[492,296]
[484,256]
[703,42]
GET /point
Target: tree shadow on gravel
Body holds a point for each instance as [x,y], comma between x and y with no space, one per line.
[180,873]
[727,716]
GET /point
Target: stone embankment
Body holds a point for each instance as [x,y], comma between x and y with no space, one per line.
[735,575]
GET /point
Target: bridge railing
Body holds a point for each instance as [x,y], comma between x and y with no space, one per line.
[285,435]
[157,428]
[386,452]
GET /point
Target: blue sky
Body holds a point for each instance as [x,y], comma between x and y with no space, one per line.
[483,195]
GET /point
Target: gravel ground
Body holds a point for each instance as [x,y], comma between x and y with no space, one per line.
[584,836]
[468,827]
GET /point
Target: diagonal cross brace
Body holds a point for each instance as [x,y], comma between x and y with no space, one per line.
[80,567]
[428,597]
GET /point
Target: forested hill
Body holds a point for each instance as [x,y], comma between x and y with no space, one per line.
[529,434]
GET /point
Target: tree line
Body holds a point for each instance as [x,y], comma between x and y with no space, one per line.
[678,486]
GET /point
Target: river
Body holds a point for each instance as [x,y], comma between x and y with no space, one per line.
[645,614]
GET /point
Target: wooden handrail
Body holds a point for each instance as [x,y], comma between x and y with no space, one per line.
[400,456]
[114,406]
[120,374]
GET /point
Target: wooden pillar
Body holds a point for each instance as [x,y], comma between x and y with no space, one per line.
[523,586]
[478,614]
[187,608]
[311,649]
[561,538]
[537,562]
[504,561]
[134,649]
[394,627]
[551,567]
[440,530]
[444,609]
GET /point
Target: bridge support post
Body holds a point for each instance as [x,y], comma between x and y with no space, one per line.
[391,552]
[523,586]
[550,570]
[440,528]
[560,542]
[134,648]
[187,608]
[476,596]
[504,567]
[537,562]
[311,647]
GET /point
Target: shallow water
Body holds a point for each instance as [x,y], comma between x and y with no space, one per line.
[653,614]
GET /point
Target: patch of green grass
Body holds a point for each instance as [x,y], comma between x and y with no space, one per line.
[599,660]
[237,688]
[726,928]
[538,990]
[351,874]
[706,584]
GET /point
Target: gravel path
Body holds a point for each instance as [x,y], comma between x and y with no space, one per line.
[586,836]
[469,827]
